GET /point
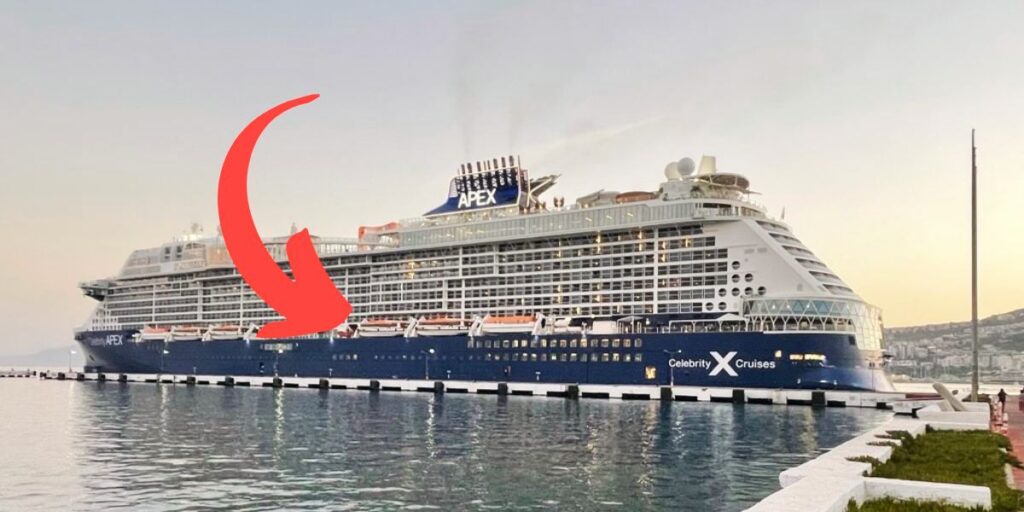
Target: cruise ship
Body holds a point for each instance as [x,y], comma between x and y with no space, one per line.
[688,284]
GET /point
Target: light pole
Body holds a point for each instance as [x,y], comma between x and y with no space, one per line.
[70,353]
[671,367]
[426,362]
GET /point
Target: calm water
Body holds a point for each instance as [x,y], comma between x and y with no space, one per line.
[90,446]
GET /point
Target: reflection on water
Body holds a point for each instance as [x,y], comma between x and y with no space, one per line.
[90,446]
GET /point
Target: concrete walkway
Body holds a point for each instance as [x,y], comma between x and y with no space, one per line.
[1015,431]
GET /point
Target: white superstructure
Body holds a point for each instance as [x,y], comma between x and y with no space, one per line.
[696,254]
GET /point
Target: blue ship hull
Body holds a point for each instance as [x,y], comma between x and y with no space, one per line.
[722,359]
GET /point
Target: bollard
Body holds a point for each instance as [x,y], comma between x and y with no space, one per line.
[277,382]
[666,393]
[190,380]
[79,376]
[502,389]
[122,378]
[738,396]
[324,384]
[818,399]
[374,385]
[572,391]
[102,377]
[229,381]
[438,387]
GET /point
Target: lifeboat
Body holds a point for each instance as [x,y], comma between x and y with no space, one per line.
[224,332]
[508,324]
[186,333]
[380,328]
[441,327]
[151,333]
[564,324]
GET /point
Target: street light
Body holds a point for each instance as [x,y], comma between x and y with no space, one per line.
[426,362]
[671,367]
[70,353]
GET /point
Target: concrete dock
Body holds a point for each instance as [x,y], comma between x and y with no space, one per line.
[889,401]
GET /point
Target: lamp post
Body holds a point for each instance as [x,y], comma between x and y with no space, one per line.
[671,368]
[426,362]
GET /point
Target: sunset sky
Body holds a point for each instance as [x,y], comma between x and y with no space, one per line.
[853,117]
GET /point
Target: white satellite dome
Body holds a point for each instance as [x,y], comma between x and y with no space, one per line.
[686,166]
[672,172]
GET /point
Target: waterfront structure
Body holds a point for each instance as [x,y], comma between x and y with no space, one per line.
[689,284]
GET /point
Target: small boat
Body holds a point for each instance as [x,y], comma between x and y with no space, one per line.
[186,333]
[380,328]
[564,324]
[152,333]
[441,327]
[508,324]
[224,332]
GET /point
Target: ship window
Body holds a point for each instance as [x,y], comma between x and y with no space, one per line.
[639,343]
[543,343]
[504,344]
[748,278]
[487,343]
[573,343]
[627,358]
[533,343]
[563,357]
[604,343]
[735,265]
[515,356]
[627,342]
[533,356]
[583,343]
[735,292]
[355,357]
[479,344]
[562,343]
[638,357]
[543,356]
[573,357]
[504,357]
[604,357]
[616,357]
[748,291]
[651,372]
[761,290]
[616,342]
[735,278]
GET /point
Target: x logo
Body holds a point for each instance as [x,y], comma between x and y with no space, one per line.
[723,364]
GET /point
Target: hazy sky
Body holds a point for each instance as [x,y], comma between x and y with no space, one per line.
[855,117]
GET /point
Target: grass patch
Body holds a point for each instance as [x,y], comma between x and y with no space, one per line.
[891,505]
[969,458]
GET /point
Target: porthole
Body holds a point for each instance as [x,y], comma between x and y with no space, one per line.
[721,305]
[709,306]
[748,291]
[735,265]
[735,292]
[749,277]
[735,278]
[761,290]
[721,292]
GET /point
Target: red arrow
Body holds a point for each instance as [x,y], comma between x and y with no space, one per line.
[310,303]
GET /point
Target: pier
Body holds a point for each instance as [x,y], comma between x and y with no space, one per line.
[13,374]
[897,402]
